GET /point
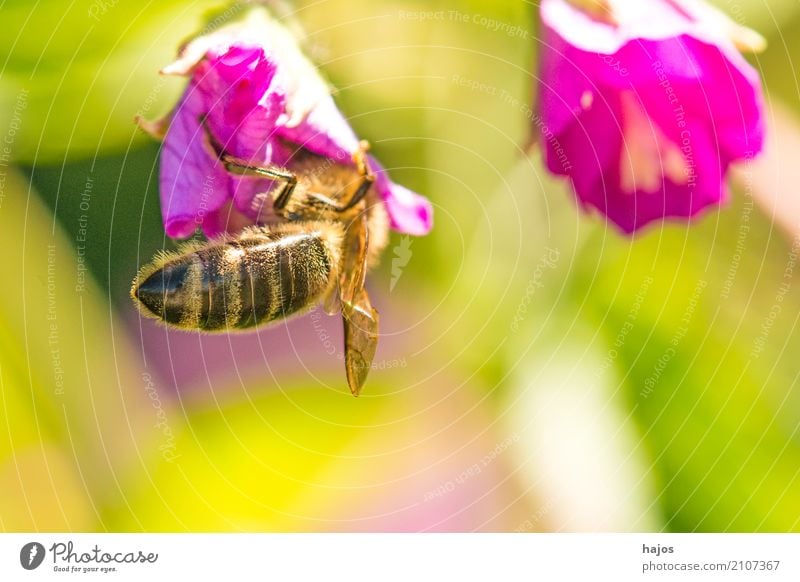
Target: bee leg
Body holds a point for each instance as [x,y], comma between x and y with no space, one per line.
[237,166]
[367,177]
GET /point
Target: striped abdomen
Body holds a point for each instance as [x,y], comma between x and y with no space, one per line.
[262,276]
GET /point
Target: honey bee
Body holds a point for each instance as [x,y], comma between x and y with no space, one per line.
[330,228]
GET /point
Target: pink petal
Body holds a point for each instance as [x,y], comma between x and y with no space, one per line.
[409,212]
[192,181]
[632,211]
[699,94]
[251,197]
[254,91]
[577,152]
[325,132]
[636,21]
[242,104]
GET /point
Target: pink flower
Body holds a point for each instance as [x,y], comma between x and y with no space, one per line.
[253,91]
[646,108]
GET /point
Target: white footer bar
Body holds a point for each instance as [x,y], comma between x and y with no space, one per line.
[406,557]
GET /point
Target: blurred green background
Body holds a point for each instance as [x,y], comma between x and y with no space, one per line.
[537,371]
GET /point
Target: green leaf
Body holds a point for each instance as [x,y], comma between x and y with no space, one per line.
[709,360]
[306,456]
[76,75]
[75,403]
[751,13]
[578,445]
[41,488]
[109,207]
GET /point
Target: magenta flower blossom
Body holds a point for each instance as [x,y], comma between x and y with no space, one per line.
[256,95]
[646,108]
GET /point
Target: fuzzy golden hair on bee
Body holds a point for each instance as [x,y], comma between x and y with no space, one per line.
[157,263]
[235,283]
[327,228]
[161,258]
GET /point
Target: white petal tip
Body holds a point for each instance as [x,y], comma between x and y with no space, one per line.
[748,40]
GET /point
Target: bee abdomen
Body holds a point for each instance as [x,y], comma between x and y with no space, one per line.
[283,276]
[263,276]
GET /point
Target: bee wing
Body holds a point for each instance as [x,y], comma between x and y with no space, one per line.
[354,263]
[330,301]
[360,340]
[360,318]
